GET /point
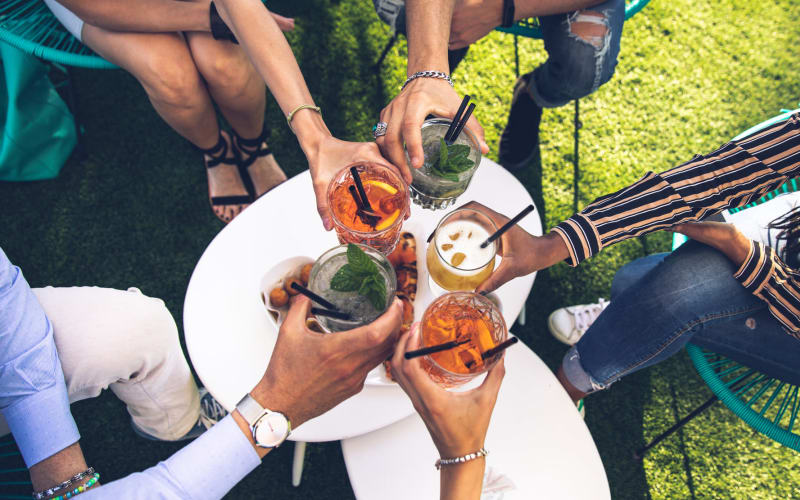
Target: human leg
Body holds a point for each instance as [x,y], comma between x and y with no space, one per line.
[240,93]
[127,342]
[582,49]
[689,294]
[163,65]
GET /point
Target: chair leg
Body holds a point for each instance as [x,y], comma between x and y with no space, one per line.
[298,461]
[639,454]
[386,50]
[576,160]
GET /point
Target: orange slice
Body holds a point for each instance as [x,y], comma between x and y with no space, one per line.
[388,220]
[380,184]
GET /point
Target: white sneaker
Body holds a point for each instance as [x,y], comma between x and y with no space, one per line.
[568,324]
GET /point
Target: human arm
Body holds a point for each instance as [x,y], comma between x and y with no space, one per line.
[456,421]
[428,29]
[272,57]
[211,465]
[474,19]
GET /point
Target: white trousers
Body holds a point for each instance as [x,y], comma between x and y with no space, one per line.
[126,342]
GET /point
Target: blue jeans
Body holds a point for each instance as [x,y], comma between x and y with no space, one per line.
[576,66]
[661,302]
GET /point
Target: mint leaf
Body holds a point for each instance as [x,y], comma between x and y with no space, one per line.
[452,160]
[443,153]
[374,289]
[359,261]
[345,279]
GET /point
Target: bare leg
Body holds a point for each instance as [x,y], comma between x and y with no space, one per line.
[240,94]
[162,63]
[574,393]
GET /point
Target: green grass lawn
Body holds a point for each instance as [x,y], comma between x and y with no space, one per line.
[690,76]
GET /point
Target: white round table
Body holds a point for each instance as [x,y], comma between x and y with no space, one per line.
[227,332]
[536,439]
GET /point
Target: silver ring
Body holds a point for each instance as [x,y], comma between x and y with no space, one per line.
[379,129]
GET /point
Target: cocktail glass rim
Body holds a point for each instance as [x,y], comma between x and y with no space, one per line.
[345,171]
[392,279]
[439,254]
[474,140]
[485,367]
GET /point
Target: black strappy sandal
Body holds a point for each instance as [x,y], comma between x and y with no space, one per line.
[218,155]
[248,151]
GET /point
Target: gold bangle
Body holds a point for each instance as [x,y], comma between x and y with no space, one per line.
[301,107]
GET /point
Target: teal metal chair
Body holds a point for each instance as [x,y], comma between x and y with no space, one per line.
[14,479]
[30,26]
[529,28]
[768,405]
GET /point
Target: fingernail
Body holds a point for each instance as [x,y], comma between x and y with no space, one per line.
[416,162]
[326,222]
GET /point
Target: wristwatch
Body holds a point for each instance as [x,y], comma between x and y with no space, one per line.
[270,428]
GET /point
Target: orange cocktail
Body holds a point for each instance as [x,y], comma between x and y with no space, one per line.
[461,316]
[377,222]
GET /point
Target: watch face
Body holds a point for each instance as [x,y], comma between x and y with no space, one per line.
[271,430]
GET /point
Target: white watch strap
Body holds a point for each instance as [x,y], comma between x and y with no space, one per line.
[250,409]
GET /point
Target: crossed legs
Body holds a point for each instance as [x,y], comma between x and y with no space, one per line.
[181,74]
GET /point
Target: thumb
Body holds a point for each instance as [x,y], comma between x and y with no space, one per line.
[499,277]
[298,312]
[384,329]
[322,207]
[491,385]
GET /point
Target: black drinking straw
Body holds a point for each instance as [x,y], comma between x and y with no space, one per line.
[448,136]
[466,116]
[499,348]
[360,187]
[508,225]
[356,198]
[434,348]
[327,312]
[313,296]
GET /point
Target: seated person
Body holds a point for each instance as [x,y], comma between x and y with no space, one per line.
[581,37]
[168,47]
[723,291]
[65,344]
[457,421]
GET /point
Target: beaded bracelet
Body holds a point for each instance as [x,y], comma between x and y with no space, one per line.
[66,484]
[428,74]
[79,489]
[460,460]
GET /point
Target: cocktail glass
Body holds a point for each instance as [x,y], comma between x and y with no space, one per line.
[455,259]
[379,226]
[430,190]
[460,316]
[360,309]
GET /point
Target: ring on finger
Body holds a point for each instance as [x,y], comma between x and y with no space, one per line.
[379,129]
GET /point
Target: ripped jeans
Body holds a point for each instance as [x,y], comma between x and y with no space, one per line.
[661,302]
[582,49]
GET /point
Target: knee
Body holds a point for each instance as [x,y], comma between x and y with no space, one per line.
[173,81]
[229,72]
[585,67]
[153,329]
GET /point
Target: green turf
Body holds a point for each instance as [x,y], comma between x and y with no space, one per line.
[690,76]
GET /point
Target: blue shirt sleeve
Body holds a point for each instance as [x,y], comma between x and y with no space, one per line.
[205,469]
[33,395]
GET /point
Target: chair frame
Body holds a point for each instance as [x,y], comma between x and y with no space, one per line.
[731,381]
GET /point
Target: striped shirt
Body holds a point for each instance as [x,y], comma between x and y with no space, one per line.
[732,176]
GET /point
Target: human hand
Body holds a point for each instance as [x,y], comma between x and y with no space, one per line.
[473,20]
[328,159]
[284,23]
[457,421]
[522,252]
[406,113]
[720,235]
[309,373]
